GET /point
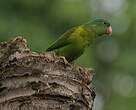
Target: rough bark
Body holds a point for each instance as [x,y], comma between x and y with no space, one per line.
[32,81]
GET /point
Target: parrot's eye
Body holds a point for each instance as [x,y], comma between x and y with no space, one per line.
[104,23]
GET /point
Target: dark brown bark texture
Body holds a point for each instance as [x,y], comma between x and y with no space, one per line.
[32,81]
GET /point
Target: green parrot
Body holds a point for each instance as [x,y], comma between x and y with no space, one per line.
[73,43]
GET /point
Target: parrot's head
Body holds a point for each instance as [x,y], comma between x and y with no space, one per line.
[100,27]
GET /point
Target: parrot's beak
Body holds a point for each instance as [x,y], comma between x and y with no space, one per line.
[109,30]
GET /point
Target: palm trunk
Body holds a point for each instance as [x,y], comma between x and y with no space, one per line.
[32,81]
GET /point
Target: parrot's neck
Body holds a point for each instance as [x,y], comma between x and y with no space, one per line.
[87,36]
[91,29]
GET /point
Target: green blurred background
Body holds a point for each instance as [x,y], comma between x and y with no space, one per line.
[113,58]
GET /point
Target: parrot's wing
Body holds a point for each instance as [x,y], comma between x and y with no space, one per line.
[62,41]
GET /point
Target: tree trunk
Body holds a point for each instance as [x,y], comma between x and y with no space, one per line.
[32,81]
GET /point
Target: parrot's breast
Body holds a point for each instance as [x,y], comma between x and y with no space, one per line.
[70,52]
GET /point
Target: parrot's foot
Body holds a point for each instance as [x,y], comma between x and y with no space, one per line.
[64,60]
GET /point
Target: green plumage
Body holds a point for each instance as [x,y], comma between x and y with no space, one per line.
[72,44]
